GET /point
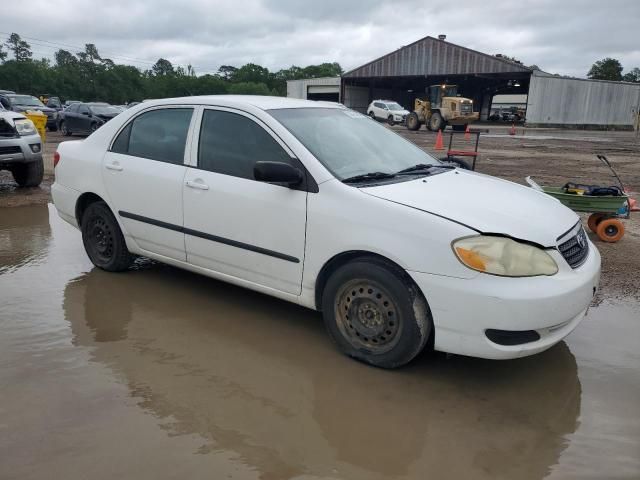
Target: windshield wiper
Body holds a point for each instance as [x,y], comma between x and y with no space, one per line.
[368,176]
[420,168]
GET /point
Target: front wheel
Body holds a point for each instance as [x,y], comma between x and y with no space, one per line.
[413,121]
[436,122]
[103,239]
[28,174]
[64,129]
[375,313]
[390,120]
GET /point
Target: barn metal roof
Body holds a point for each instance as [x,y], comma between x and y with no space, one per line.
[430,56]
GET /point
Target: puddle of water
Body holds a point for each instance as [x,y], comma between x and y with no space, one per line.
[159,373]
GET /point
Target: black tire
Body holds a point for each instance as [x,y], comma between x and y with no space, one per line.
[372,115]
[65,131]
[103,240]
[390,120]
[53,129]
[28,174]
[458,162]
[459,128]
[413,122]
[375,313]
[436,122]
[93,128]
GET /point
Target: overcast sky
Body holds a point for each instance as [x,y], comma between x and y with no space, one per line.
[560,36]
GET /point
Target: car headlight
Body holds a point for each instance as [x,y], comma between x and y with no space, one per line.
[24,126]
[503,256]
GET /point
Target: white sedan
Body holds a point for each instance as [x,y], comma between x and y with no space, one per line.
[315,204]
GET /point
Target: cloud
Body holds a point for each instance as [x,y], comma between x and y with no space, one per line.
[561,37]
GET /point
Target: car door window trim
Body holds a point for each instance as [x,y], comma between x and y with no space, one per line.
[208,236]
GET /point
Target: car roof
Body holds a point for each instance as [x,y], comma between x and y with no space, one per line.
[258,101]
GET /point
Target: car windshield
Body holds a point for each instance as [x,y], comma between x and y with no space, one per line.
[26,100]
[104,110]
[348,143]
[394,106]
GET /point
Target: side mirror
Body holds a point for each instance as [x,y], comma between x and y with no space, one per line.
[277,172]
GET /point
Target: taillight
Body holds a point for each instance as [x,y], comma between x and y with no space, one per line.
[56,159]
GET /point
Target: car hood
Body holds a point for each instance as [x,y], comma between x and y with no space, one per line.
[24,108]
[486,204]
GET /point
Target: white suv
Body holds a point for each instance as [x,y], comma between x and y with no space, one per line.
[316,204]
[387,110]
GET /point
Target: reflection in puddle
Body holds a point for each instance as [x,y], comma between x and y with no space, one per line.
[247,386]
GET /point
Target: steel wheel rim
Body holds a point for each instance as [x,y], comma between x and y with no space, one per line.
[367,317]
[101,240]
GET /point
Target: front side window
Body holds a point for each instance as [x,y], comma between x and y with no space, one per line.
[231,144]
[83,109]
[158,135]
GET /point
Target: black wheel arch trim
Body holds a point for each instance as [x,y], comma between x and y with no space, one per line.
[208,236]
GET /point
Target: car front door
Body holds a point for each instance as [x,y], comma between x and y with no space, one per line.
[144,173]
[69,116]
[82,121]
[243,228]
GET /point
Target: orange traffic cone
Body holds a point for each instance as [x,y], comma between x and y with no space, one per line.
[513,129]
[467,133]
[439,144]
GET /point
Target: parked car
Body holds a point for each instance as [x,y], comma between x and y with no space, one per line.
[6,91]
[317,205]
[68,103]
[52,102]
[22,103]
[85,118]
[387,110]
[20,149]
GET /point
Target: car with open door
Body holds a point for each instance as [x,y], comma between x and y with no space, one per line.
[316,204]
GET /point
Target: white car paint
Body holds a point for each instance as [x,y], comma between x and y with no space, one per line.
[411,223]
[380,110]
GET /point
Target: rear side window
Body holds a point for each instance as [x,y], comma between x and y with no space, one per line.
[73,107]
[158,135]
[231,144]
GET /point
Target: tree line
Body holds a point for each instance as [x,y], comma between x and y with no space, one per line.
[88,76]
[611,69]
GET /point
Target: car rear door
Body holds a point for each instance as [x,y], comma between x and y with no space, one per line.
[235,225]
[144,173]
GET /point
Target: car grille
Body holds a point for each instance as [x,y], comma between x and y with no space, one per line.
[466,108]
[576,249]
[9,150]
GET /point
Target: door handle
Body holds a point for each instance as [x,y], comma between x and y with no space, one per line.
[114,166]
[197,185]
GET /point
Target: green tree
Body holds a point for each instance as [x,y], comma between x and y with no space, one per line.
[3,54]
[249,88]
[21,49]
[227,72]
[606,69]
[632,75]
[162,67]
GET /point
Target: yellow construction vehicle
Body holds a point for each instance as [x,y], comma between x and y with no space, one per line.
[443,107]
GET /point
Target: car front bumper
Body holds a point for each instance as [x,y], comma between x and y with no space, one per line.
[18,149]
[552,306]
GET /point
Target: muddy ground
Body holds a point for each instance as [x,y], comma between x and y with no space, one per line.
[159,373]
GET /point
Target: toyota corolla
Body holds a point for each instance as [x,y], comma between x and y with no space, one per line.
[319,205]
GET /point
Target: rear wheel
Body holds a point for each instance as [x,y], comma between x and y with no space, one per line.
[372,115]
[28,174]
[375,313]
[459,128]
[413,122]
[103,239]
[436,122]
[610,230]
